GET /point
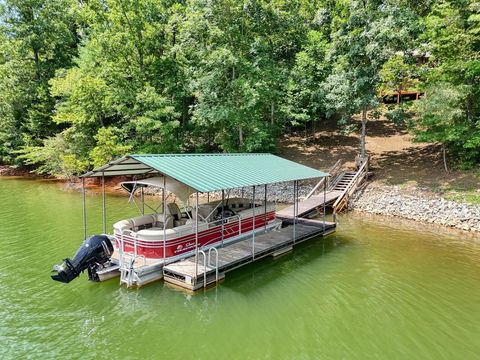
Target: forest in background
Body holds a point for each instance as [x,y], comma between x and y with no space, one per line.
[82,82]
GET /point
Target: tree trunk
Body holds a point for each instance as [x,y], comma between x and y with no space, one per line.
[444,153]
[36,59]
[363,134]
[314,131]
[272,111]
[240,135]
[470,108]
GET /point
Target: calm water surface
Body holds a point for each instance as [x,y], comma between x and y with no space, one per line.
[376,290]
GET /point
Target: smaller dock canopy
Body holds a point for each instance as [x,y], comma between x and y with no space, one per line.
[211,172]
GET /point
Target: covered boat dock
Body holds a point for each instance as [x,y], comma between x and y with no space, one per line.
[206,173]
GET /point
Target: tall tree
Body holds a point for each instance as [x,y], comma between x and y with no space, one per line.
[372,32]
[451,112]
[306,101]
[240,55]
[37,38]
[128,80]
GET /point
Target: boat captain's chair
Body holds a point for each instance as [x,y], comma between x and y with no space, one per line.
[167,218]
[174,211]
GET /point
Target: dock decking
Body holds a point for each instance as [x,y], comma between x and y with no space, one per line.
[309,205]
[187,275]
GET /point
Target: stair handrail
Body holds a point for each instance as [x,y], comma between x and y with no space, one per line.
[334,182]
[315,188]
[359,175]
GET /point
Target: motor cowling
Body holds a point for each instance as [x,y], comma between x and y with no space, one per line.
[94,252]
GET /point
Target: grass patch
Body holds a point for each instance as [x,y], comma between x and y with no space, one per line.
[471,198]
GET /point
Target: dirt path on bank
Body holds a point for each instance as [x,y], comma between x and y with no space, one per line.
[395,158]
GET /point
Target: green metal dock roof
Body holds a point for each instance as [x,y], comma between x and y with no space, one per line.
[211,172]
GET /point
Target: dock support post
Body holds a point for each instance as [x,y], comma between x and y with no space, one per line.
[253,228]
[196,239]
[208,197]
[223,215]
[265,204]
[324,201]
[84,210]
[104,210]
[294,208]
[164,198]
[143,200]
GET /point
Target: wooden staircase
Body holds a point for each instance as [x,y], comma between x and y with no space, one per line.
[348,183]
[339,188]
[343,181]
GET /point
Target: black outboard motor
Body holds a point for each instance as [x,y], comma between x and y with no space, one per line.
[95,251]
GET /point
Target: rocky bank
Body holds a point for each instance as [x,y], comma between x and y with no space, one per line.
[417,205]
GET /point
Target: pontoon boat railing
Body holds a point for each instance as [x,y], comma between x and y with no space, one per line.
[130,237]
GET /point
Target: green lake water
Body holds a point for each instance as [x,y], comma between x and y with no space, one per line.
[377,289]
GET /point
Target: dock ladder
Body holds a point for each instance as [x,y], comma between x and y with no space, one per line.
[127,260]
[208,268]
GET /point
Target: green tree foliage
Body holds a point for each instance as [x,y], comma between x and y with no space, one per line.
[84,82]
[37,37]
[240,55]
[371,34]
[450,114]
[108,146]
[307,98]
[399,73]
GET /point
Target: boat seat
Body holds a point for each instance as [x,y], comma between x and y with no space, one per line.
[143,222]
[174,210]
[122,225]
[169,221]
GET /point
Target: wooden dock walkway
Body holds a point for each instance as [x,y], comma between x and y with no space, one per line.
[187,275]
[311,205]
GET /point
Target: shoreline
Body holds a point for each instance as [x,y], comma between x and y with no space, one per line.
[418,205]
[411,203]
[18,171]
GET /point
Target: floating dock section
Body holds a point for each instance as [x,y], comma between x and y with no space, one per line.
[213,264]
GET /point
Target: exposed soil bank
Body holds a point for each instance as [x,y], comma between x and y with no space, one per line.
[9,170]
[417,204]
